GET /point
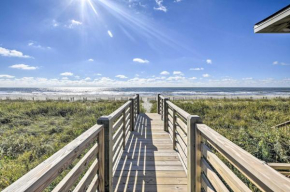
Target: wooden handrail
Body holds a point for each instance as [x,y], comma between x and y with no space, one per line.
[257,171]
[188,132]
[117,126]
[41,176]
[107,138]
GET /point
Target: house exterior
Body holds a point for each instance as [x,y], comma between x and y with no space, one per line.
[278,22]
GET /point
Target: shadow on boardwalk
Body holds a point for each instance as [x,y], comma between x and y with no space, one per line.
[149,163]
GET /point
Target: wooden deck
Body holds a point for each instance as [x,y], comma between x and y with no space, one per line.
[149,162]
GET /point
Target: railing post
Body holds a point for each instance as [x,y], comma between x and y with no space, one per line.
[101,159]
[165,114]
[174,129]
[158,103]
[138,104]
[193,154]
[124,129]
[132,114]
[108,146]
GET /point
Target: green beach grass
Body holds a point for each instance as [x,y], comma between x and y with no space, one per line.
[32,131]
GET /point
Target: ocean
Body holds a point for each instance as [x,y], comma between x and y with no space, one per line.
[180,91]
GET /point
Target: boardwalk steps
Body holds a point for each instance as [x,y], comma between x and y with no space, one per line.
[168,151]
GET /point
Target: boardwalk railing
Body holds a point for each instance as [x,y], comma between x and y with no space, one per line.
[99,147]
[200,147]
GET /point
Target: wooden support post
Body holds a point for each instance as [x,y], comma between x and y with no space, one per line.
[165,114]
[124,129]
[138,104]
[108,144]
[132,114]
[101,157]
[158,103]
[174,129]
[193,154]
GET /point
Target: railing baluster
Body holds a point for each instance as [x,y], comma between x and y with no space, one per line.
[158,103]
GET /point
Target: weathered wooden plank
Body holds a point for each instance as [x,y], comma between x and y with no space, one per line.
[141,173]
[141,163]
[41,176]
[150,188]
[73,175]
[212,177]
[257,171]
[206,185]
[151,168]
[230,178]
[87,178]
[150,180]
[280,166]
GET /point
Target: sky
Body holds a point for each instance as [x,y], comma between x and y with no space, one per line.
[141,43]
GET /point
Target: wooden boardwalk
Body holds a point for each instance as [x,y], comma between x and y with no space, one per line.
[149,162]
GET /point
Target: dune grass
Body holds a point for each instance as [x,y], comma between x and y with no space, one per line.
[30,131]
[248,123]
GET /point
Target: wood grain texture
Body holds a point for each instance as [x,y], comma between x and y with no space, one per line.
[148,162]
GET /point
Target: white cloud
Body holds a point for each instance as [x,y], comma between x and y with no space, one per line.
[90,60]
[205,75]
[99,74]
[193,78]
[87,79]
[209,61]
[23,67]
[77,77]
[281,63]
[138,60]
[177,73]
[65,78]
[110,34]
[36,45]
[164,73]
[73,23]
[12,53]
[248,78]
[196,69]
[121,76]
[67,74]
[175,78]
[55,23]
[160,7]
[7,76]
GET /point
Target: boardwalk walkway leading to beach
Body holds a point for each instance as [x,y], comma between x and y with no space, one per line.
[149,162]
[171,150]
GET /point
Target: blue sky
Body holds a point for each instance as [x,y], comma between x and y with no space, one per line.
[48,43]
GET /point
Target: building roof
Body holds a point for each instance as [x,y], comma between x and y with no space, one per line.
[278,22]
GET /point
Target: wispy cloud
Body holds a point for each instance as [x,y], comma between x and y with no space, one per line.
[193,78]
[90,60]
[7,76]
[280,63]
[160,5]
[23,67]
[55,23]
[12,53]
[209,61]
[121,76]
[67,74]
[196,69]
[138,60]
[177,73]
[73,23]
[206,75]
[247,78]
[36,45]
[98,74]
[164,73]
[110,34]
